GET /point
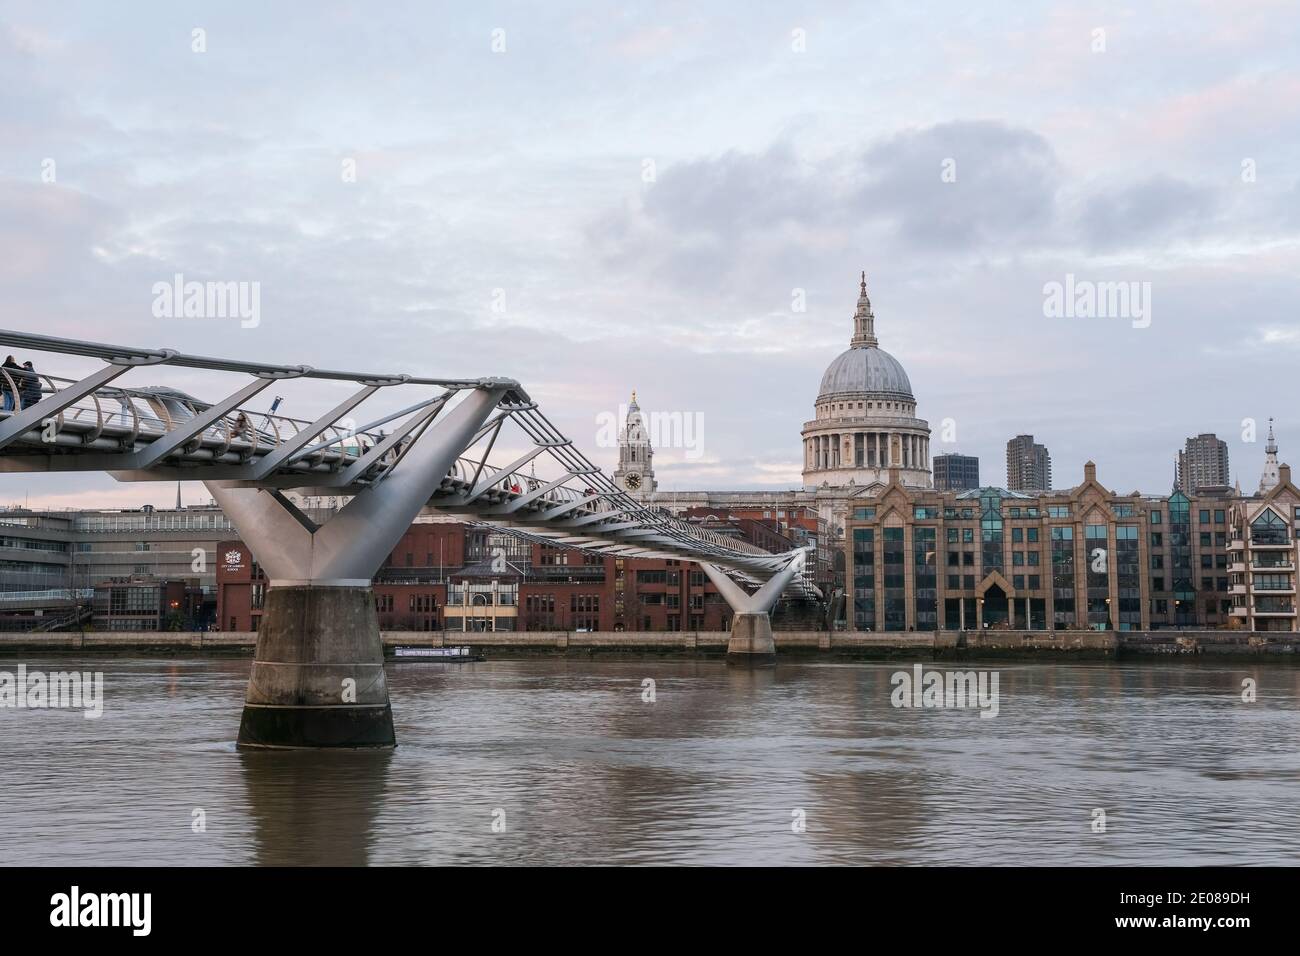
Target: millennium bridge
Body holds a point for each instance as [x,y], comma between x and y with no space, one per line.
[455,445]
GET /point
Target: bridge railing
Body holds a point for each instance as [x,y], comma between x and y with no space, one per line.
[127,416]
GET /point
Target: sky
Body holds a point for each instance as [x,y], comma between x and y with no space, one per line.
[679,198]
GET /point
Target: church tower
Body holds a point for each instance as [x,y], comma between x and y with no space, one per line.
[1271,477]
[635,473]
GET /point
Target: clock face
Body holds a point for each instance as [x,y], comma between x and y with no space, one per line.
[633,481]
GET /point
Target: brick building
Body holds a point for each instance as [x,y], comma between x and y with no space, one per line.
[1085,558]
[444,574]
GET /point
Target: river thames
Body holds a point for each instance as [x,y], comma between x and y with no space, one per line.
[567,762]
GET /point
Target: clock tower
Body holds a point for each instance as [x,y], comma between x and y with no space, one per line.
[635,473]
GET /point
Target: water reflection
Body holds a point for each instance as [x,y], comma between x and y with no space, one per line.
[314,809]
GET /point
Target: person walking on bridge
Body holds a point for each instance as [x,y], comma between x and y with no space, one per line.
[9,381]
[29,388]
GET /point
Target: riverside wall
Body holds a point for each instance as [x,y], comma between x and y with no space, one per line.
[791,645]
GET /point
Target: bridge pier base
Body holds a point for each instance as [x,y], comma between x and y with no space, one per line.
[751,643]
[318,673]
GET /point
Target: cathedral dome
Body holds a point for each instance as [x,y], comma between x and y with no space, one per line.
[864,428]
[866,369]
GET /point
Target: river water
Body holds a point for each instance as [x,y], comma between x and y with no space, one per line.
[566,762]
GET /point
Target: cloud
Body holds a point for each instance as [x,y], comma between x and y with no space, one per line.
[1000,189]
[726,285]
[1157,207]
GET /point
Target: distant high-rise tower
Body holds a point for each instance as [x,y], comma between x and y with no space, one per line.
[1029,466]
[1270,478]
[953,472]
[1203,464]
[635,472]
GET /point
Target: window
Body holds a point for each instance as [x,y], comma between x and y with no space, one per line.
[1218,516]
[923,512]
[1032,534]
[1273,582]
[1017,535]
[1155,517]
[924,576]
[1058,511]
[1203,516]
[895,617]
[1269,528]
[864,514]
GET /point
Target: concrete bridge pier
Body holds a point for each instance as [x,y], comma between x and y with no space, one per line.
[318,672]
[751,643]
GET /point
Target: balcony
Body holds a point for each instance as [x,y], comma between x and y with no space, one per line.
[1237,589]
[1258,541]
[1236,611]
[1237,567]
[1268,590]
[1287,564]
[1274,606]
[1236,544]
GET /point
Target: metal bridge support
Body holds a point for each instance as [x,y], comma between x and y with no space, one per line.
[318,672]
[751,642]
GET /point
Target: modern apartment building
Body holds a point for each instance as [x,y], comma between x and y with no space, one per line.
[1262,558]
[1029,466]
[1203,463]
